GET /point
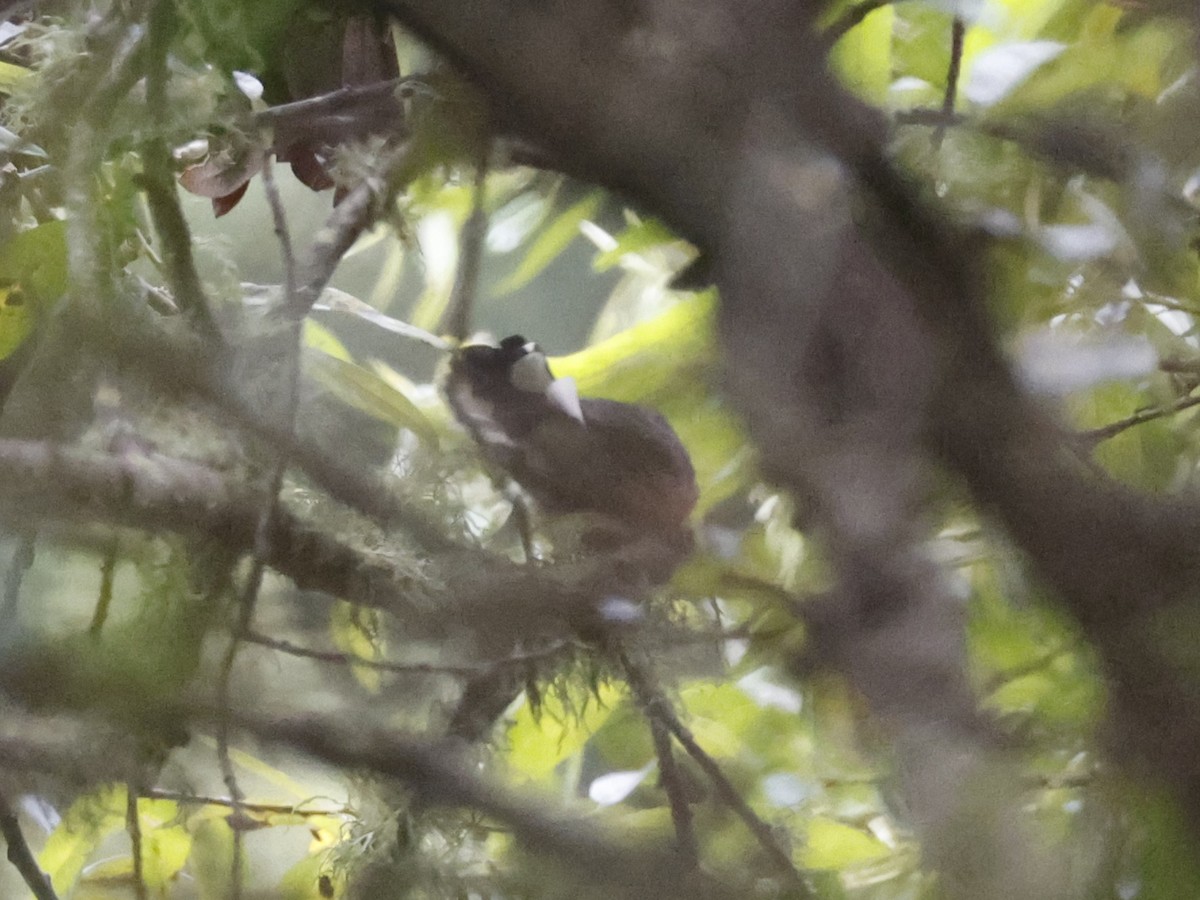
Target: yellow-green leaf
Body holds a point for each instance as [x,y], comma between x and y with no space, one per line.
[539,743]
[366,391]
[318,337]
[33,268]
[354,630]
[312,879]
[833,845]
[863,57]
[11,75]
[90,820]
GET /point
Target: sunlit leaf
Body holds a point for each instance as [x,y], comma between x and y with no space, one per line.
[311,879]
[318,337]
[538,743]
[354,631]
[37,258]
[998,71]
[829,844]
[11,75]
[863,57]
[89,821]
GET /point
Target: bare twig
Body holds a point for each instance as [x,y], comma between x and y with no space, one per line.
[21,856]
[282,232]
[671,779]
[104,602]
[335,101]
[958,30]
[347,659]
[248,806]
[22,559]
[1099,435]
[133,825]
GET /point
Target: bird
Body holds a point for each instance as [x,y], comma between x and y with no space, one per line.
[620,461]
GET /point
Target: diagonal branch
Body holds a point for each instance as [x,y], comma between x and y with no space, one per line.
[439,776]
[21,856]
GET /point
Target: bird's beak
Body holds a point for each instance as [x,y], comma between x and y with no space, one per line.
[564,397]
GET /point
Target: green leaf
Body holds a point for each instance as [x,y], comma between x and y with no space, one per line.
[33,274]
[830,844]
[863,57]
[303,880]
[366,391]
[552,241]
[318,337]
[355,631]
[11,75]
[91,819]
[539,743]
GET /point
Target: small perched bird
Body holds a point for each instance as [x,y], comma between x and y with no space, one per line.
[572,454]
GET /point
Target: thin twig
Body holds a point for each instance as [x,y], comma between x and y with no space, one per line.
[22,559]
[1008,676]
[104,602]
[672,782]
[133,825]
[958,30]
[260,808]
[1099,435]
[656,706]
[335,101]
[347,659]
[21,856]
[282,232]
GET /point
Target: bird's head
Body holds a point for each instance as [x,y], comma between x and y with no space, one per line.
[488,380]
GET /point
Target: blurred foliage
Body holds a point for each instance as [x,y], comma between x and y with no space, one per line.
[1077,149]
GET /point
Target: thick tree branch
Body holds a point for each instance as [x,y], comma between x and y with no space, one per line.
[438,776]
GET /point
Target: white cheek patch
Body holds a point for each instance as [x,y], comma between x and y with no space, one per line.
[563,395]
[531,373]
